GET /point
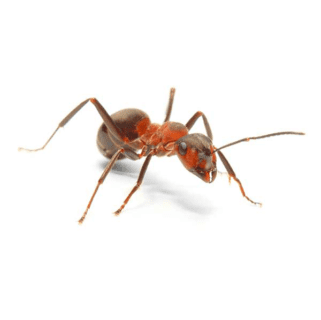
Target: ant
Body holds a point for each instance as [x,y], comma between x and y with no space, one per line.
[126,131]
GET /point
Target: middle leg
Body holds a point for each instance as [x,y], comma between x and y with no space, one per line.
[170,104]
[100,181]
[138,183]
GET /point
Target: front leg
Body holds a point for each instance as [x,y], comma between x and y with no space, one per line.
[232,175]
[192,121]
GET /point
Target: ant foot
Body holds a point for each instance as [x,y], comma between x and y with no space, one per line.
[81,220]
[119,210]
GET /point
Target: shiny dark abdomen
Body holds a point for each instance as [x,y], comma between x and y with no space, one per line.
[126,120]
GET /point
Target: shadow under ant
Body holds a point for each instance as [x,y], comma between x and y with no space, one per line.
[153,185]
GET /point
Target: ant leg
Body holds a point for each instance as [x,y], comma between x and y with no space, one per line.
[106,117]
[192,121]
[170,104]
[233,175]
[100,181]
[138,183]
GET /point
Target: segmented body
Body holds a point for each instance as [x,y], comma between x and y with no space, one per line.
[139,134]
[129,133]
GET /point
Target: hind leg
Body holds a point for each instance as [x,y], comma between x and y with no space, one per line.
[138,183]
[100,181]
[103,113]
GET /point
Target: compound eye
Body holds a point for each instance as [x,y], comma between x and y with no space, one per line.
[182,148]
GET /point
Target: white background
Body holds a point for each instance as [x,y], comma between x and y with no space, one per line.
[181,249]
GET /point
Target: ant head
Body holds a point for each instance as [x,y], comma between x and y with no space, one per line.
[196,152]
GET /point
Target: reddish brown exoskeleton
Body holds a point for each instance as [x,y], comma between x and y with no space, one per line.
[125,132]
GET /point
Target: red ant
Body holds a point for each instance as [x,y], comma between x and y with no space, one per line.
[129,130]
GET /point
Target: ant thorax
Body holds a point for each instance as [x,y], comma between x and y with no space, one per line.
[161,138]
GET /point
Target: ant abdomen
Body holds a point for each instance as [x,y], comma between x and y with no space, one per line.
[132,122]
[105,146]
